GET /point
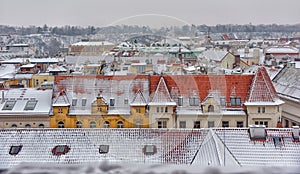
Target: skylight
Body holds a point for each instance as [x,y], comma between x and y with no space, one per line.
[149,149]
[60,150]
[14,150]
[30,105]
[103,149]
[9,105]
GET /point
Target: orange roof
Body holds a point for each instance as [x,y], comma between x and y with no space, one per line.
[202,84]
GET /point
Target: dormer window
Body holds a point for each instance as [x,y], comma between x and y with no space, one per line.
[83,102]
[180,101]
[74,102]
[235,101]
[194,101]
[112,102]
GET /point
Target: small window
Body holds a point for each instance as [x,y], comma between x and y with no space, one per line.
[194,101]
[149,149]
[120,124]
[30,105]
[27,126]
[222,102]
[78,124]
[103,149]
[162,124]
[166,109]
[138,110]
[14,150]
[211,108]
[126,101]
[235,101]
[157,109]
[14,126]
[225,123]
[83,102]
[111,102]
[61,124]
[60,150]
[180,101]
[182,124]
[74,102]
[196,124]
[211,124]
[60,110]
[263,109]
[258,110]
[106,124]
[41,125]
[92,124]
[239,124]
[161,109]
[9,105]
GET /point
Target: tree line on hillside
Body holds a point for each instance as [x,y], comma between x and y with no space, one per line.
[187,30]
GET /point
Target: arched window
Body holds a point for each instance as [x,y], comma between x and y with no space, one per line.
[120,124]
[27,126]
[92,124]
[61,124]
[14,126]
[41,125]
[106,124]
[78,124]
[210,108]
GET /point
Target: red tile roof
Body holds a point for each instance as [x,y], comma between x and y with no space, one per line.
[202,84]
[262,89]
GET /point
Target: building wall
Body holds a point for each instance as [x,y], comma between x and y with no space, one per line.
[228,61]
[37,80]
[290,113]
[21,121]
[272,114]
[161,115]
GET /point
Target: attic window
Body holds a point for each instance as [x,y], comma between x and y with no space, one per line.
[83,102]
[74,102]
[112,102]
[9,105]
[14,150]
[257,132]
[235,101]
[60,150]
[194,101]
[103,149]
[149,149]
[126,101]
[30,105]
[180,101]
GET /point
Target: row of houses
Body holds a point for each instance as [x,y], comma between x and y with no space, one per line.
[145,101]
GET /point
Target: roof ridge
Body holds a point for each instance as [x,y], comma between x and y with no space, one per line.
[161,93]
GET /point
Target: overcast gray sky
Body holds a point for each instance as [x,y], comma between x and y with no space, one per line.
[106,12]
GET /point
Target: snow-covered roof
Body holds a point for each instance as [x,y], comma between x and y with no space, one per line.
[282,50]
[216,55]
[32,60]
[17,100]
[93,43]
[28,66]
[197,147]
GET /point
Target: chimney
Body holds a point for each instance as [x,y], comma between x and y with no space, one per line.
[2,101]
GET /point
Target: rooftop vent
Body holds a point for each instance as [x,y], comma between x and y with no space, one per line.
[257,132]
[295,133]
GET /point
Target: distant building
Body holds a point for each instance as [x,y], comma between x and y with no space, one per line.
[90,48]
